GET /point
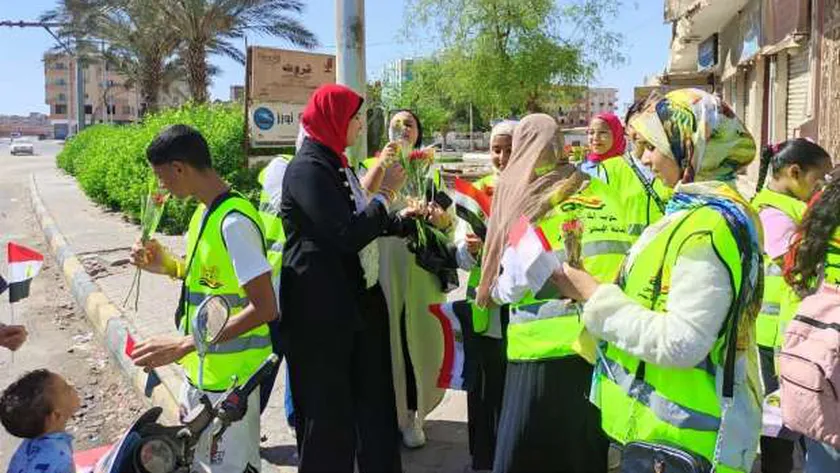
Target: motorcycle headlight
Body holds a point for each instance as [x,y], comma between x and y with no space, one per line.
[156,455]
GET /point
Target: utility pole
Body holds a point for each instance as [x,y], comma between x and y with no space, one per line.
[80,84]
[350,61]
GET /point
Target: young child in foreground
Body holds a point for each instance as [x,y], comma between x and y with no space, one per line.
[36,408]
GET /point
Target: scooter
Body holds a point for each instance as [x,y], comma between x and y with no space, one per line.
[150,447]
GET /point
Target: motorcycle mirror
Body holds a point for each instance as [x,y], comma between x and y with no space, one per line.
[210,320]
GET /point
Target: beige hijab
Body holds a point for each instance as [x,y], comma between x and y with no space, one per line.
[521,191]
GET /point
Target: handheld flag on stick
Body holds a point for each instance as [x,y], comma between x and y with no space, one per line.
[530,247]
[24,264]
[472,206]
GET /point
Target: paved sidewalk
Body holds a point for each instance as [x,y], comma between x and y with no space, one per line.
[101,240]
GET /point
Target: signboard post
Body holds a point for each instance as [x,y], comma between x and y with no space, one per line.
[278,85]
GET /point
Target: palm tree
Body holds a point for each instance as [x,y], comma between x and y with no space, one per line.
[141,46]
[212,27]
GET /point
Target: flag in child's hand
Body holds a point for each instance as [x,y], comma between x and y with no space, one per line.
[472,206]
[24,264]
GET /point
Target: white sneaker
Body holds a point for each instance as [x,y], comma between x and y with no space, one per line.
[413,435]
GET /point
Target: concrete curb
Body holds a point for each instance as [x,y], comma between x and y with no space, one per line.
[110,324]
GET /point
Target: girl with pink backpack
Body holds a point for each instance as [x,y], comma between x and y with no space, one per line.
[809,363]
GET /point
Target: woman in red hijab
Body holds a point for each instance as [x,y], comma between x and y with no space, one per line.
[628,182]
[333,314]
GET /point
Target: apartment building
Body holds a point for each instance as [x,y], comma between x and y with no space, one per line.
[108,96]
[774,61]
[590,102]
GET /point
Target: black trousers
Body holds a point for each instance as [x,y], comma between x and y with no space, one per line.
[276,346]
[548,423]
[776,453]
[343,394]
[484,400]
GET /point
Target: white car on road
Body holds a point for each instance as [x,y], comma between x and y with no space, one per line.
[21,147]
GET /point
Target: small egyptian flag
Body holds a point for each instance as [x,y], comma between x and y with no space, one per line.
[456,327]
[472,206]
[530,247]
[24,264]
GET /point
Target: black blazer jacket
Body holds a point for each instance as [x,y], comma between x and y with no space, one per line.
[321,278]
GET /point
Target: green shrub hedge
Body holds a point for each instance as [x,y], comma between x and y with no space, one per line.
[110,161]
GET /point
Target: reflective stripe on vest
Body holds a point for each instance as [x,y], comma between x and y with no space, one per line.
[661,404]
[211,273]
[636,229]
[779,302]
[541,325]
[240,344]
[666,410]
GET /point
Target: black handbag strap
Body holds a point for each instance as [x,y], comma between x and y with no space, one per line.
[646,183]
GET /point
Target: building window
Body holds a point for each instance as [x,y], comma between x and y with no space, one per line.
[60,109]
[60,81]
[126,109]
[87,96]
[61,98]
[59,66]
[88,109]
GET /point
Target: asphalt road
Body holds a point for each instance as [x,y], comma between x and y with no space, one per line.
[60,338]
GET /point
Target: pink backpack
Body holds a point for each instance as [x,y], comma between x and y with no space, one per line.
[809,368]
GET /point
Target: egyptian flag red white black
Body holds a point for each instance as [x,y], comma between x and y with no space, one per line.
[533,252]
[456,327]
[472,206]
[24,264]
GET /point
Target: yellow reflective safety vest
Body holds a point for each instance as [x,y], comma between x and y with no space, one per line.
[542,326]
[780,300]
[487,182]
[210,272]
[639,208]
[274,235]
[677,406]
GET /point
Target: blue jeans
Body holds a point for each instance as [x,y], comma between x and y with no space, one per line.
[821,458]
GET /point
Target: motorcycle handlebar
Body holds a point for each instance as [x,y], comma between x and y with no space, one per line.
[265,369]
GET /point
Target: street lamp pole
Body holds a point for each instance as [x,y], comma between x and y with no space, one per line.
[350,60]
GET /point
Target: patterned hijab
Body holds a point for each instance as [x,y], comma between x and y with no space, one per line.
[700,132]
[710,144]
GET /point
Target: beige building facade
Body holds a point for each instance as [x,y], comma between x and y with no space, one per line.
[108,96]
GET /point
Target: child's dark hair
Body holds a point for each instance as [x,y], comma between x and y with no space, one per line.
[800,151]
[179,143]
[25,404]
[806,257]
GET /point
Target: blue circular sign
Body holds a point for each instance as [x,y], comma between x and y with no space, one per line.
[263,118]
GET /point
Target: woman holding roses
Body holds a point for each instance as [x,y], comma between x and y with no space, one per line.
[416,342]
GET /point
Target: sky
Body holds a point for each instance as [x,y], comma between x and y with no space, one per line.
[22,76]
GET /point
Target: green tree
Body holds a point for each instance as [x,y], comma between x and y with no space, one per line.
[140,45]
[214,26]
[427,95]
[515,56]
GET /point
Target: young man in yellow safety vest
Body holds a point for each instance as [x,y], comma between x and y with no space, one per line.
[225,257]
